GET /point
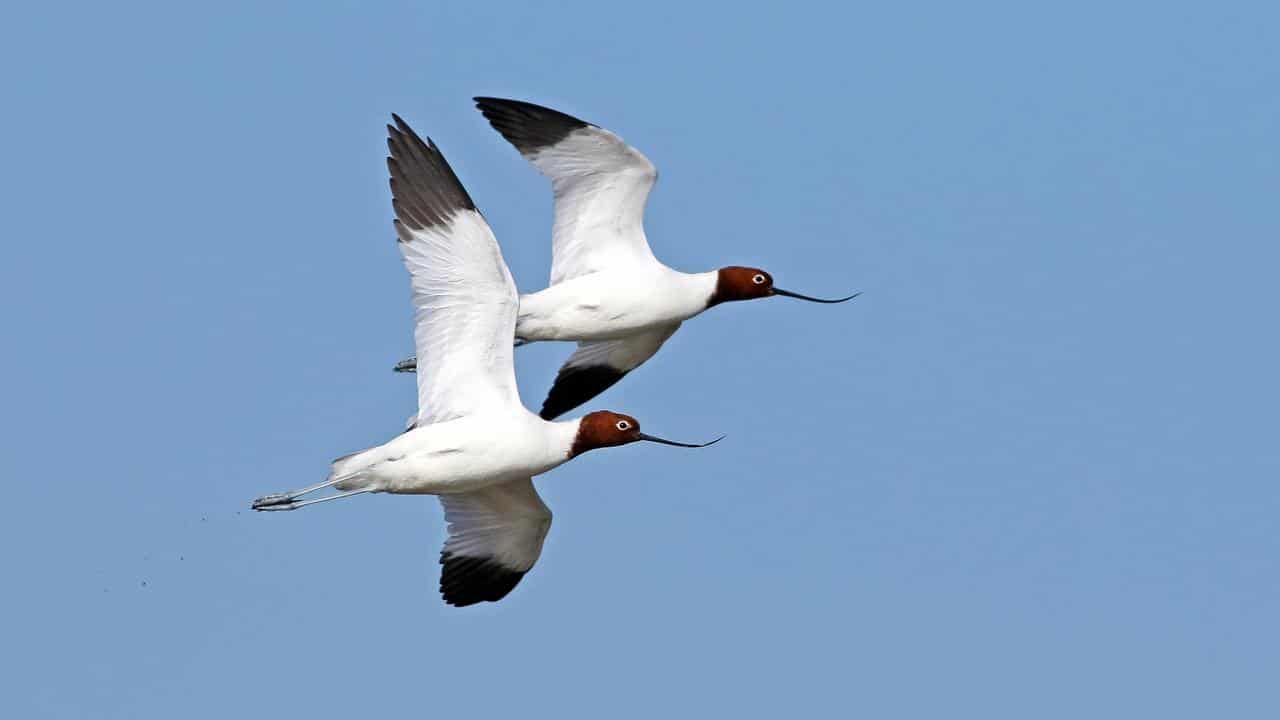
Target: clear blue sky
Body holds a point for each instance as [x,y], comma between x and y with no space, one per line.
[1032,472]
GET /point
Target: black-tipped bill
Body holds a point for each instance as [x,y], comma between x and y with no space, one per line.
[650,438]
[798,296]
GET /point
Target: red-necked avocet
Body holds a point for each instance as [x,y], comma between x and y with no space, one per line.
[473,444]
[608,292]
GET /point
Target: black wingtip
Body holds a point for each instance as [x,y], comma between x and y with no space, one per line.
[425,190]
[576,385]
[469,580]
[527,126]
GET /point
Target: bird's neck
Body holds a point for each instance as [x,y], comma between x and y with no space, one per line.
[702,288]
[564,438]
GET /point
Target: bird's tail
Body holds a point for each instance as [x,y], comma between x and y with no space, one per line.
[351,474]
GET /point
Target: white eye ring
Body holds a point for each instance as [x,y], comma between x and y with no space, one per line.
[623,425]
[758,279]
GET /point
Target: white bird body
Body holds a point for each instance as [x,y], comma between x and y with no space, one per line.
[614,304]
[460,455]
[608,292]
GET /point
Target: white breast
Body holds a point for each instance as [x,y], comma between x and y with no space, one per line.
[613,304]
[464,454]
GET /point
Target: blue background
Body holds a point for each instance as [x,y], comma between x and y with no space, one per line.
[1032,472]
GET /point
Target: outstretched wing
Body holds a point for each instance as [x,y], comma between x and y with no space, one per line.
[464,299]
[601,185]
[595,366]
[495,537]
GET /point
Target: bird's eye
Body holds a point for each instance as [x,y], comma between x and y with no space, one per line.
[758,279]
[623,425]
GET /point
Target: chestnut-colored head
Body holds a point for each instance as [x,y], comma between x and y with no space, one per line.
[741,283]
[745,283]
[610,429]
[604,429]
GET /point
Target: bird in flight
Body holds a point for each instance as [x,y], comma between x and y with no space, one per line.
[608,292]
[473,443]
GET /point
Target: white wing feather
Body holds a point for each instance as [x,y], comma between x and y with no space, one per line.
[465,305]
[601,185]
[504,523]
[464,299]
